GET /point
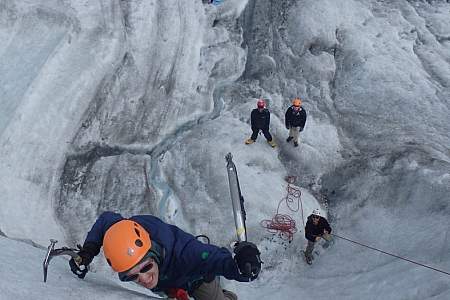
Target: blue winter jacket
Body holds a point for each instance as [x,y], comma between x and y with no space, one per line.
[186,261]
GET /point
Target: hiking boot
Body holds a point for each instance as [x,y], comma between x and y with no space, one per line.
[308,258]
[272,143]
[295,144]
[249,141]
[289,139]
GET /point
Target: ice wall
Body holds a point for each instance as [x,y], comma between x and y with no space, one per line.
[131,106]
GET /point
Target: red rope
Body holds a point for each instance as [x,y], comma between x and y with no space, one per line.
[283,224]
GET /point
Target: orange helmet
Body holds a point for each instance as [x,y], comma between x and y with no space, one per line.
[125,243]
[297,102]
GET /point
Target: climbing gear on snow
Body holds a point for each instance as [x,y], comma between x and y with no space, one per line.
[283,224]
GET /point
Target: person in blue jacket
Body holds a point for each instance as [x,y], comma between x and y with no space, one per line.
[164,258]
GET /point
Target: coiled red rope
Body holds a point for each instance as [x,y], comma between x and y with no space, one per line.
[283,224]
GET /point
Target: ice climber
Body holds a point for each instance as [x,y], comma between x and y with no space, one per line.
[260,121]
[295,120]
[165,259]
[317,227]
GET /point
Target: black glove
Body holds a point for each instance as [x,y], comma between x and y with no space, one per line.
[247,259]
[301,129]
[79,265]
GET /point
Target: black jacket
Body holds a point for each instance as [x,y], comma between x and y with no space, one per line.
[312,231]
[295,118]
[260,119]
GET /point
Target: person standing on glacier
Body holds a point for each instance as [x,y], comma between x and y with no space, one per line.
[165,259]
[317,227]
[260,121]
[295,119]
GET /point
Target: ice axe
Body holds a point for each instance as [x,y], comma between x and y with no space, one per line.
[239,214]
[52,252]
[236,199]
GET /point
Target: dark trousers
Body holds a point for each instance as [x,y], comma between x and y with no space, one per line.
[309,249]
[264,131]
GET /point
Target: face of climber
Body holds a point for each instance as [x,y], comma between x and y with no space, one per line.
[144,273]
[315,219]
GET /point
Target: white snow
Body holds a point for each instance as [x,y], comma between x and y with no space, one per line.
[158,82]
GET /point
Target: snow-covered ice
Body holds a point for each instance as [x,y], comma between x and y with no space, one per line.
[132,106]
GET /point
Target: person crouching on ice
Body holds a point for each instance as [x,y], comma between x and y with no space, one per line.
[317,227]
[165,259]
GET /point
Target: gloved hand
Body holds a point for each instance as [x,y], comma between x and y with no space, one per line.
[79,265]
[287,127]
[247,259]
[301,129]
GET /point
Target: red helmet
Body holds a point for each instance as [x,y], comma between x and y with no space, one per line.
[261,103]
